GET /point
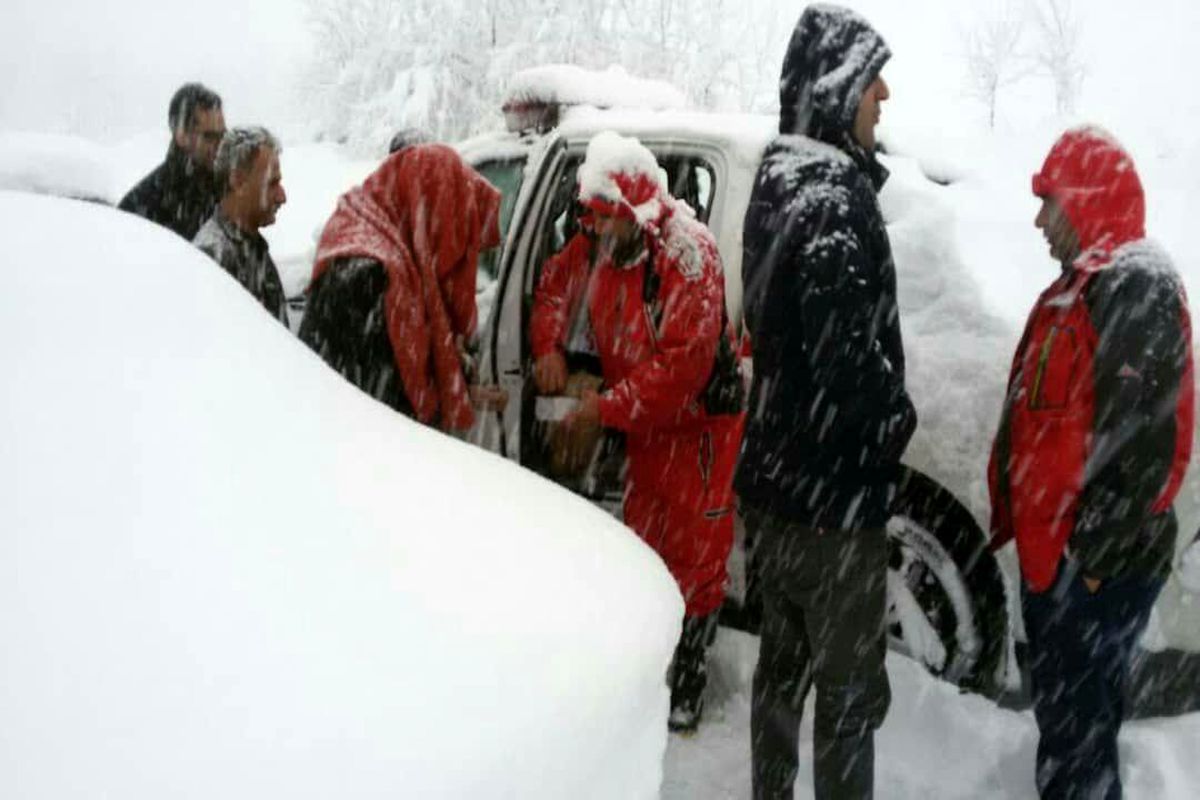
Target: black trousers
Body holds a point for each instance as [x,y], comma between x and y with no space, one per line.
[824,603]
[1080,646]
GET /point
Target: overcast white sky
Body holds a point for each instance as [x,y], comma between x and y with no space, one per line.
[105,68]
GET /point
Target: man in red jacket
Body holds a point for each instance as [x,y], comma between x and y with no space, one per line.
[1093,442]
[655,315]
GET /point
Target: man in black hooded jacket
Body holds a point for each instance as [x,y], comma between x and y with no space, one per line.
[829,416]
[182,192]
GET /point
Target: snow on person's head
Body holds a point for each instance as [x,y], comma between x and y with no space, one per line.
[834,55]
[619,177]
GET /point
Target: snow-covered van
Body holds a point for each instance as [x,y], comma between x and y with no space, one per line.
[212,586]
[953,606]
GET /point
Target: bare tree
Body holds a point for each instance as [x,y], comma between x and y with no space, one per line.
[1059,53]
[994,55]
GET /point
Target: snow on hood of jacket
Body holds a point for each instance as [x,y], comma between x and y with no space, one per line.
[833,57]
[1094,181]
[620,177]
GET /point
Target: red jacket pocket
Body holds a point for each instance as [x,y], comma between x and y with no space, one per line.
[1053,369]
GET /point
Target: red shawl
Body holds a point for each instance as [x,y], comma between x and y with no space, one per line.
[425,215]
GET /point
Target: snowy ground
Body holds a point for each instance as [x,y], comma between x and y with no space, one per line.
[936,742]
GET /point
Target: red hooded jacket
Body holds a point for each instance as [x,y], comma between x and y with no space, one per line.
[1096,429]
[657,359]
[425,215]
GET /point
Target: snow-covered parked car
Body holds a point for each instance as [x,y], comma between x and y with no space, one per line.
[953,605]
[229,573]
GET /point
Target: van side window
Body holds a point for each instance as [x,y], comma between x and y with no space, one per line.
[691,180]
[507,176]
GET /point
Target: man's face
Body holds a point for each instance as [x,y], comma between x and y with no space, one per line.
[869,109]
[201,140]
[258,189]
[614,233]
[1054,225]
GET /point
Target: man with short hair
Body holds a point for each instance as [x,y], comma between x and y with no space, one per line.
[830,416]
[181,192]
[247,165]
[407,137]
[1094,439]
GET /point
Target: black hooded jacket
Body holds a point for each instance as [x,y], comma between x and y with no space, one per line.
[829,416]
[176,195]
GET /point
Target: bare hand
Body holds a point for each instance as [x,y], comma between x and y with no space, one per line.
[587,413]
[550,373]
[1092,584]
[489,397]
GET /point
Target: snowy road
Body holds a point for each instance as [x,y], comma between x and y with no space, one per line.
[936,743]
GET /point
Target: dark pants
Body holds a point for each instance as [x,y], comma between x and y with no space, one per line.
[689,672]
[1080,646]
[824,601]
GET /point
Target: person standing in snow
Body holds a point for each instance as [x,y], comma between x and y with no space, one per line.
[655,301]
[181,193]
[830,416]
[247,166]
[1094,438]
[392,298]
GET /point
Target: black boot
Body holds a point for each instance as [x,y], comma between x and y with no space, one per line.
[689,673]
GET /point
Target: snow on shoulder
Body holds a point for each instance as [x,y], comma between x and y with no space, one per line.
[569,85]
[232,574]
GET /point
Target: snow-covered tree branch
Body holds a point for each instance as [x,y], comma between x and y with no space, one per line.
[382,66]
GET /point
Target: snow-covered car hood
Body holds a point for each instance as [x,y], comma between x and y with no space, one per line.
[228,573]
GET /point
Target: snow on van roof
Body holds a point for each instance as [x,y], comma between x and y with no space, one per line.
[569,85]
[744,135]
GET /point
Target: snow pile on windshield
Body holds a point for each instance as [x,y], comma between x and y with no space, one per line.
[566,84]
[59,165]
[229,573]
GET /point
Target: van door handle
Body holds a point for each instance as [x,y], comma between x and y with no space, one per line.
[512,373]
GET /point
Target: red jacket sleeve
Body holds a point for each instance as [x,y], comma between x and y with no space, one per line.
[658,389]
[559,292]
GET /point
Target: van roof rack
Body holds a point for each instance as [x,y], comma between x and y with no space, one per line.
[537,97]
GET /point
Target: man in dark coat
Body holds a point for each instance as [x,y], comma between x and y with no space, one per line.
[181,193]
[1094,439]
[829,415]
[248,167]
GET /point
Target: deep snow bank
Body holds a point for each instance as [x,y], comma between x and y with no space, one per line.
[225,572]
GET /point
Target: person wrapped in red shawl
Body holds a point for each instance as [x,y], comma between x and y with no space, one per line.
[392,298]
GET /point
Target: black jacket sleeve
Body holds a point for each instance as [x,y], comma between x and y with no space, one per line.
[860,408]
[1140,358]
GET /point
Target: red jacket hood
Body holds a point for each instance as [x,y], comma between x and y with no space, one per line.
[1095,182]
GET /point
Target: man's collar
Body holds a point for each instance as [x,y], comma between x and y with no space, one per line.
[867,161]
[237,233]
